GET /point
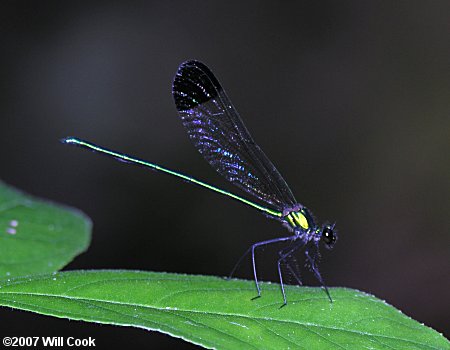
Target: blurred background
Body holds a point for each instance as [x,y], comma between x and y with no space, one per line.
[349,99]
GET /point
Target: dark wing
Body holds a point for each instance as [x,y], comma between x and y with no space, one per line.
[221,137]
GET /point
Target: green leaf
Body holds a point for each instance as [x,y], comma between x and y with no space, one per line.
[37,236]
[216,313]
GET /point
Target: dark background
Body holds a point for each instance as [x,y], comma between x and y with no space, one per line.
[349,99]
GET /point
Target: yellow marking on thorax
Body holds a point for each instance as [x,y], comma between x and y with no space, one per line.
[296,219]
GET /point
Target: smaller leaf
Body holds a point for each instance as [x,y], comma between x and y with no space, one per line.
[37,236]
[220,314]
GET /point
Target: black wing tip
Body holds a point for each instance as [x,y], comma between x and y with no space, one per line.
[194,84]
[192,65]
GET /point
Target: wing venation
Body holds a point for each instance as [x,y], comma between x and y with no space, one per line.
[221,137]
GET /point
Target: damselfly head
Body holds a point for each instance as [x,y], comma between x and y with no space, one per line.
[329,235]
